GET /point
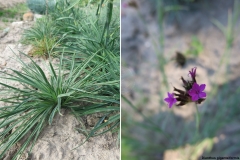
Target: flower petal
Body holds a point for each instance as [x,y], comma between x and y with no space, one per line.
[172,103]
[174,100]
[202,95]
[191,92]
[170,95]
[202,87]
[195,87]
[168,100]
[195,97]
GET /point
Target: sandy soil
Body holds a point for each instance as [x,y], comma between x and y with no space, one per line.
[141,79]
[56,141]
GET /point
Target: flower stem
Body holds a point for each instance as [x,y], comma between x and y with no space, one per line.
[197,120]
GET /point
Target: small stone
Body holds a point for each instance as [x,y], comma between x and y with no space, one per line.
[27,17]
[17,23]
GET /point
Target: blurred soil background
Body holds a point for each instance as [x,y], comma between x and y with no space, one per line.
[193,29]
[56,141]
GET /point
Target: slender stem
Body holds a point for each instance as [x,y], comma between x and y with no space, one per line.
[46,2]
[160,54]
[197,120]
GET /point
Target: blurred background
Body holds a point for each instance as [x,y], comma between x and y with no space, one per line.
[160,42]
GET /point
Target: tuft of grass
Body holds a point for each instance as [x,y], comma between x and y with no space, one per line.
[43,47]
[43,37]
[88,31]
[34,104]
[77,30]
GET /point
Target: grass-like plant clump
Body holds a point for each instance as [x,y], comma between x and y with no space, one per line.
[40,98]
[42,36]
[88,47]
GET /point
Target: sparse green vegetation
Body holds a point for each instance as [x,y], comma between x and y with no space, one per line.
[14,11]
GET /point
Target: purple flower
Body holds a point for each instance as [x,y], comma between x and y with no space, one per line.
[170,100]
[197,92]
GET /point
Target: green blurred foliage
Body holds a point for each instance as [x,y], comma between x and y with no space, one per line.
[13,11]
[126,150]
[196,47]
